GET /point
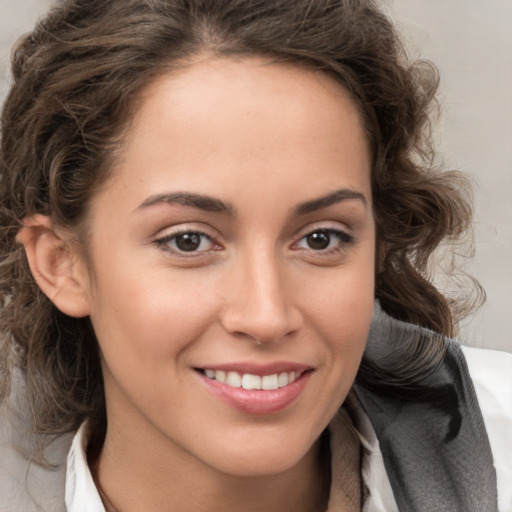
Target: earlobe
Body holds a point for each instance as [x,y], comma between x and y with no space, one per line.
[54,265]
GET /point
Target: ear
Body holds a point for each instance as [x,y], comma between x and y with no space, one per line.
[55,265]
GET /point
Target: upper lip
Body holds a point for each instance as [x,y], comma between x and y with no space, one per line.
[258,369]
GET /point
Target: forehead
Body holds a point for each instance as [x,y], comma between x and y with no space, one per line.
[232,124]
[241,87]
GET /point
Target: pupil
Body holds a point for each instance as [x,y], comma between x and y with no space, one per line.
[319,240]
[188,241]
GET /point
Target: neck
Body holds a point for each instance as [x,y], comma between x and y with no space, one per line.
[130,480]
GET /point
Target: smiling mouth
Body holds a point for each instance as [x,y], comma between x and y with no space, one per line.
[252,382]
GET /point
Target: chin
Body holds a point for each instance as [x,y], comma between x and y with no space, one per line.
[262,459]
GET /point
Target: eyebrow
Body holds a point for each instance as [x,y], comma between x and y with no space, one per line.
[206,203]
[211,204]
[338,196]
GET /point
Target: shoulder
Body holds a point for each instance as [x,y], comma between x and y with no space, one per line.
[491,373]
[455,418]
[24,485]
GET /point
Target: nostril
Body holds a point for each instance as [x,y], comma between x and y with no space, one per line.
[258,306]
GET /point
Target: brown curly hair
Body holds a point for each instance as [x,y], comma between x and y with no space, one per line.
[77,78]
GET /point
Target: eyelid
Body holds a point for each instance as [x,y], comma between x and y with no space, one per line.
[161,241]
[345,236]
[336,227]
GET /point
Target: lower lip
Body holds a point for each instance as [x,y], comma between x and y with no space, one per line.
[255,401]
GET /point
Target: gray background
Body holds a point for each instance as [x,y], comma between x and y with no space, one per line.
[470,41]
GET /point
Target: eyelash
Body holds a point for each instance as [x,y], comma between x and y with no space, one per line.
[165,241]
[344,240]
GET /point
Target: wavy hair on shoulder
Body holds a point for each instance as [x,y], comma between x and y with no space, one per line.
[77,78]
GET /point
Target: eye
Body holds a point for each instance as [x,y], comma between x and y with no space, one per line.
[187,242]
[324,240]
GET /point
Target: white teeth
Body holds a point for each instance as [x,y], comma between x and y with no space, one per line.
[220,375]
[283,379]
[249,381]
[234,379]
[270,382]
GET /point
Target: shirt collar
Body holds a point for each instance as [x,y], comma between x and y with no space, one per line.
[81,494]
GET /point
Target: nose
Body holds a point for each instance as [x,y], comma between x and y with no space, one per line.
[260,302]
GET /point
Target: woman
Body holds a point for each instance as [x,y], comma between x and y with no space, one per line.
[201,202]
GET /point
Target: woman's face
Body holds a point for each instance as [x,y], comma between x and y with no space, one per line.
[234,248]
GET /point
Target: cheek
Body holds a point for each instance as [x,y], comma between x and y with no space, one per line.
[340,314]
[340,317]
[148,316]
[341,304]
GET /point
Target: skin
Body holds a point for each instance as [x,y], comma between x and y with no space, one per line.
[264,139]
